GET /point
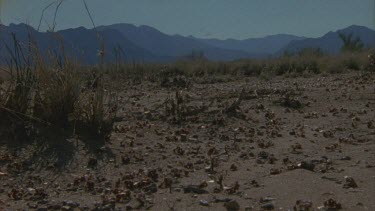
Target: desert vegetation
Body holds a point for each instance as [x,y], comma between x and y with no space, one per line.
[183,134]
[55,92]
[39,93]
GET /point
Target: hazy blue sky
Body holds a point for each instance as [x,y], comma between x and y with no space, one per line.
[203,18]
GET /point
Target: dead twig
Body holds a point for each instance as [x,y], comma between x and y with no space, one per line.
[235,105]
[55,14]
[41,17]
[18,115]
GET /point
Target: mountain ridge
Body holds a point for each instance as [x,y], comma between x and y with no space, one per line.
[147,44]
[171,45]
[330,42]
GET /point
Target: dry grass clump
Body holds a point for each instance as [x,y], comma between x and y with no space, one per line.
[56,94]
[16,93]
[370,66]
[41,95]
[96,111]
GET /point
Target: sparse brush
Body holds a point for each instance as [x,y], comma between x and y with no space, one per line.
[305,63]
[175,107]
[96,111]
[16,92]
[16,97]
[351,63]
[50,92]
[57,92]
[370,66]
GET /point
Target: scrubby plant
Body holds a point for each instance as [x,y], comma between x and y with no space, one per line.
[175,107]
[350,44]
[16,93]
[252,69]
[351,64]
[22,80]
[96,111]
[311,52]
[42,95]
[56,94]
[370,66]
[174,77]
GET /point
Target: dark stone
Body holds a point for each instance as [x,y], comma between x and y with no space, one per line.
[194,189]
[307,165]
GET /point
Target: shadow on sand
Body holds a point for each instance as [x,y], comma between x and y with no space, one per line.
[52,148]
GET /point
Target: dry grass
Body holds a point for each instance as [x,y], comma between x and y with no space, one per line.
[41,94]
[304,64]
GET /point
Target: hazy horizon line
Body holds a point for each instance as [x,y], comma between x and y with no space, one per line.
[194,36]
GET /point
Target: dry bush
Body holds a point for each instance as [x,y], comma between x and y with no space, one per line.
[16,93]
[96,111]
[57,92]
[48,94]
[370,66]
[16,97]
[176,108]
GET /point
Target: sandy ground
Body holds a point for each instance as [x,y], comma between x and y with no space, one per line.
[291,143]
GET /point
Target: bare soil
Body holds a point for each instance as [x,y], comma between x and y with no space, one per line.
[237,144]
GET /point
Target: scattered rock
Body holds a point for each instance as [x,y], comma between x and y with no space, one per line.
[232,205]
[328,134]
[331,205]
[345,158]
[141,178]
[233,188]
[71,204]
[290,102]
[32,205]
[152,188]
[233,167]
[266,199]
[275,171]
[350,183]
[66,208]
[302,205]
[254,183]
[308,165]
[268,206]
[220,200]
[204,203]
[194,189]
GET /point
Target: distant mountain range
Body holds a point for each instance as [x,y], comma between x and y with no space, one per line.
[259,47]
[147,44]
[173,46]
[79,43]
[330,42]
